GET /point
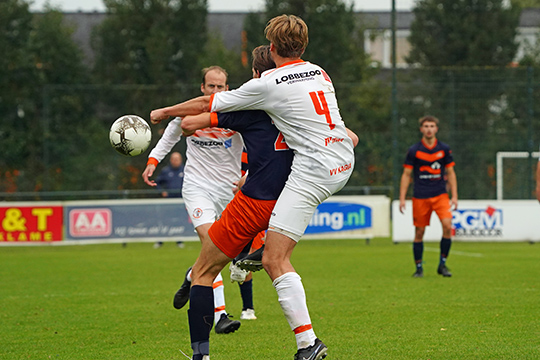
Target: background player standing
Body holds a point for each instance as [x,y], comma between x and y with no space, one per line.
[430,162]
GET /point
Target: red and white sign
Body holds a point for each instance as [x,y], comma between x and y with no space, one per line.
[90,222]
[23,224]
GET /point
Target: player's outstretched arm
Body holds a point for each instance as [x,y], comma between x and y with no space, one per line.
[194,106]
[195,122]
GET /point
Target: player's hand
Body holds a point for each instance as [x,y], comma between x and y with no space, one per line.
[453,204]
[236,188]
[147,174]
[156,116]
[402,206]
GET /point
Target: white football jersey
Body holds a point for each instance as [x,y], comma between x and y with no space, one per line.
[213,157]
[300,99]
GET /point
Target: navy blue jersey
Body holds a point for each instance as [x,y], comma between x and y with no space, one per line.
[269,157]
[429,164]
[171,179]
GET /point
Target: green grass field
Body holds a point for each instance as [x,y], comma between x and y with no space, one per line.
[111,302]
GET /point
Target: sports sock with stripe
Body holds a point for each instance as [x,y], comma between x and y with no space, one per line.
[219,298]
[445,250]
[292,298]
[418,252]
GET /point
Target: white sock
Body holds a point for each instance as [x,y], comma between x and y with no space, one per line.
[219,298]
[292,298]
[188,276]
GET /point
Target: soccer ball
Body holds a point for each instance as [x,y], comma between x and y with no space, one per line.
[130,135]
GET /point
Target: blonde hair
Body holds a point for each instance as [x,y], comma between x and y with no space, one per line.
[262,60]
[210,68]
[428,118]
[289,34]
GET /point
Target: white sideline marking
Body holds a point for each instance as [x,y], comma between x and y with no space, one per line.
[455,252]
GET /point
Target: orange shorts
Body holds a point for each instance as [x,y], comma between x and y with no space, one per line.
[258,241]
[422,209]
[241,221]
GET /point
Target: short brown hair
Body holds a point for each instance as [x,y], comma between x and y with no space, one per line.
[210,68]
[289,34]
[428,118]
[262,60]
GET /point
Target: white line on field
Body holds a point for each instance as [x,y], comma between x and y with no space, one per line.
[455,252]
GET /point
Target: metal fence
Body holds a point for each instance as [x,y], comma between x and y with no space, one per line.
[482,112]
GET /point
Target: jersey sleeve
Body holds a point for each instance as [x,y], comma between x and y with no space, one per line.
[249,96]
[409,158]
[236,120]
[171,136]
[448,158]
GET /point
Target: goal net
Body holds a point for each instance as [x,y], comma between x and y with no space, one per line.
[515,179]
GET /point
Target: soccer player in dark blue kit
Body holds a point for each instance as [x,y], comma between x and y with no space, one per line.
[431,163]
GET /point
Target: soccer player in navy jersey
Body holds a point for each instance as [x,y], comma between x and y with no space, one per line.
[270,161]
[431,164]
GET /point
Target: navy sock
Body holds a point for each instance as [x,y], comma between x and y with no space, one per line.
[418,251]
[246,290]
[445,249]
[201,318]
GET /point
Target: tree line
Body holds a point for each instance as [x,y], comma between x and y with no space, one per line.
[56,110]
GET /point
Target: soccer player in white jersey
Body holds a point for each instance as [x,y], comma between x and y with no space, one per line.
[300,99]
[212,165]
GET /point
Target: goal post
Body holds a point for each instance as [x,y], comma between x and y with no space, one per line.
[501,155]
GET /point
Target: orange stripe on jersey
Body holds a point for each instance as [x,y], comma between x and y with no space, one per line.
[303,328]
[450,165]
[292,62]
[219,308]
[210,103]
[407,166]
[215,133]
[429,157]
[430,170]
[213,119]
[245,157]
[217,284]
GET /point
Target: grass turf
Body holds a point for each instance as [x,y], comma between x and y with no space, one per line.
[111,302]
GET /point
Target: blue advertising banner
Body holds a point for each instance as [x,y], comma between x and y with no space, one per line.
[340,216]
[127,220]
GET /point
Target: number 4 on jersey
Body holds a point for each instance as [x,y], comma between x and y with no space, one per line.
[280,143]
[321,106]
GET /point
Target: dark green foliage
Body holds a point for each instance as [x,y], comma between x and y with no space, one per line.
[150,41]
[463,33]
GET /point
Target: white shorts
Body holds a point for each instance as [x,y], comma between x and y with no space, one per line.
[203,207]
[296,205]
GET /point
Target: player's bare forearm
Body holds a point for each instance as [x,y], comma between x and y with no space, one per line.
[452,182]
[403,187]
[195,122]
[191,107]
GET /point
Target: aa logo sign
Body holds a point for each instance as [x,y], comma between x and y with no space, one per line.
[90,222]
